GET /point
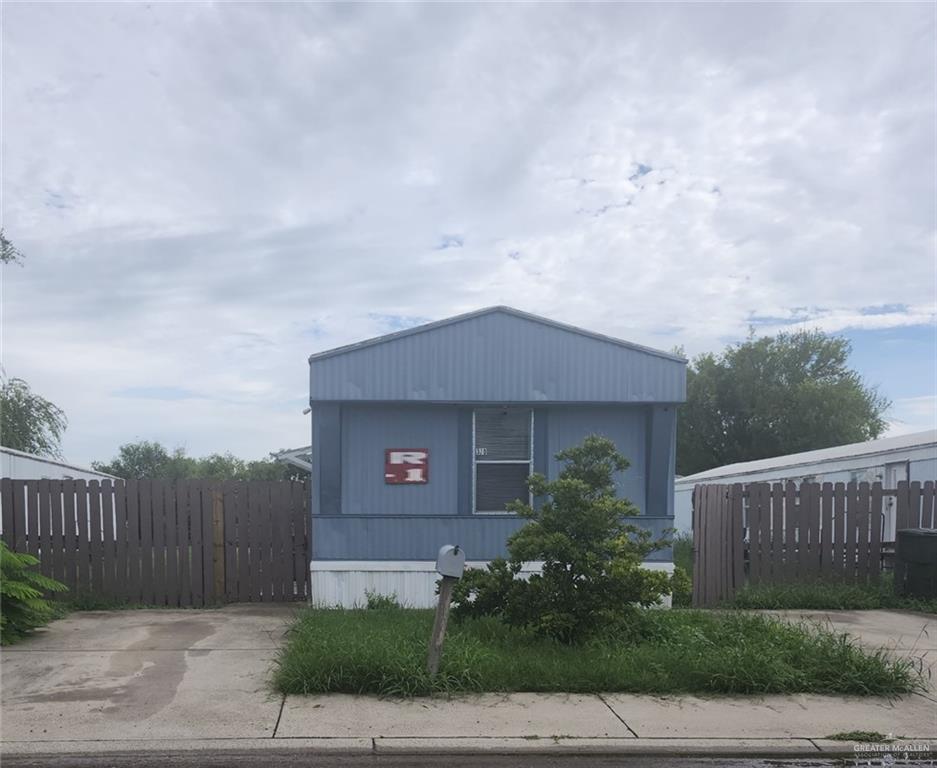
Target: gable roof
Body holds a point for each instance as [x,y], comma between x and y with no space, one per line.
[487,311]
[497,355]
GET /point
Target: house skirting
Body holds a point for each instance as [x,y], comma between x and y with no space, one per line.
[344,583]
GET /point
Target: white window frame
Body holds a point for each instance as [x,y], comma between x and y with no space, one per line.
[476,462]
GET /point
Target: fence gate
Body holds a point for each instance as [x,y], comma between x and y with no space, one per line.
[189,542]
[765,533]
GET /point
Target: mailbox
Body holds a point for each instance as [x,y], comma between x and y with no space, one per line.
[450,561]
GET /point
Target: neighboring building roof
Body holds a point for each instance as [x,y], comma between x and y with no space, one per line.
[837,453]
[55,462]
[498,355]
[296,457]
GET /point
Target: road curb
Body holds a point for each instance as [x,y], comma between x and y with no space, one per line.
[716,747]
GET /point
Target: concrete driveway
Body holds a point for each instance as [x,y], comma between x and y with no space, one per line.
[145,674]
[160,681]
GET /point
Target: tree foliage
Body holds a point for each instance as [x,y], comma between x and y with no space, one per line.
[22,605]
[592,575]
[9,253]
[29,422]
[773,396]
[148,459]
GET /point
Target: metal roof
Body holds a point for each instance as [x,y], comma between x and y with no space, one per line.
[925,439]
[487,311]
[497,355]
[55,462]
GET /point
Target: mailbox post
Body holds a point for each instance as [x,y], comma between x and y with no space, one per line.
[450,564]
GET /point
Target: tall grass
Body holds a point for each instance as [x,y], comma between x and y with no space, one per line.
[384,651]
[829,596]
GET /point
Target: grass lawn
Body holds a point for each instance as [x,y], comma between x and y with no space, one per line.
[680,651]
[829,597]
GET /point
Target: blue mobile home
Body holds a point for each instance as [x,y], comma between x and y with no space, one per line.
[420,438]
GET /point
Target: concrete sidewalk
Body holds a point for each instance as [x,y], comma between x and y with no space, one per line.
[165,680]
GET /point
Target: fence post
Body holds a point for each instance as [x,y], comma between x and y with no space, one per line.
[218,542]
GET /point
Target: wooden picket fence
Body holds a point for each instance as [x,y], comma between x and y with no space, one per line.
[765,533]
[189,542]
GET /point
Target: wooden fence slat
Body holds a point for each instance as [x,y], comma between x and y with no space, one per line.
[760,525]
[229,496]
[19,515]
[914,504]
[902,508]
[842,527]
[296,585]
[172,544]
[827,535]
[283,557]
[697,553]
[6,501]
[704,543]
[43,533]
[107,539]
[738,544]
[706,540]
[70,537]
[96,539]
[183,545]
[215,545]
[788,521]
[862,532]
[244,544]
[32,518]
[875,531]
[121,579]
[928,505]
[200,538]
[807,523]
[132,549]
[712,512]
[852,530]
[275,577]
[147,543]
[57,531]
[773,569]
[158,516]
[260,541]
[83,518]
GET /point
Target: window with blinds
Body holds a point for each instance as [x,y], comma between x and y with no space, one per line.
[503,441]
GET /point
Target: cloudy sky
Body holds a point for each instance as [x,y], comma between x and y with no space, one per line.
[207,193]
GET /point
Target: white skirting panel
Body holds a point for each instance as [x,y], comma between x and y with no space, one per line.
[344,583]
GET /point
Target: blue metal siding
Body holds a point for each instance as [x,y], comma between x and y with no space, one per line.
[624,426]
[498,358]
[367,430]
[406,537]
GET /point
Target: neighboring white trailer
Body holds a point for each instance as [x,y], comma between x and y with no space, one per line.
[19,465]
[888,460]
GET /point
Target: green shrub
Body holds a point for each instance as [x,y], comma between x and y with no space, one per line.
[22,606]
[379,602]
[681,588]
[592,573]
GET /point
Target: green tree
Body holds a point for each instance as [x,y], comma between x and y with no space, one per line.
[592,575]
[149,459]
[29,422]
[773,396]
[9,253]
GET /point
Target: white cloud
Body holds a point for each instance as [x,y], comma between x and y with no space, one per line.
[208,193]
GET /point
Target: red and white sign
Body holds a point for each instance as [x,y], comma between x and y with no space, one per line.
[406,465]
